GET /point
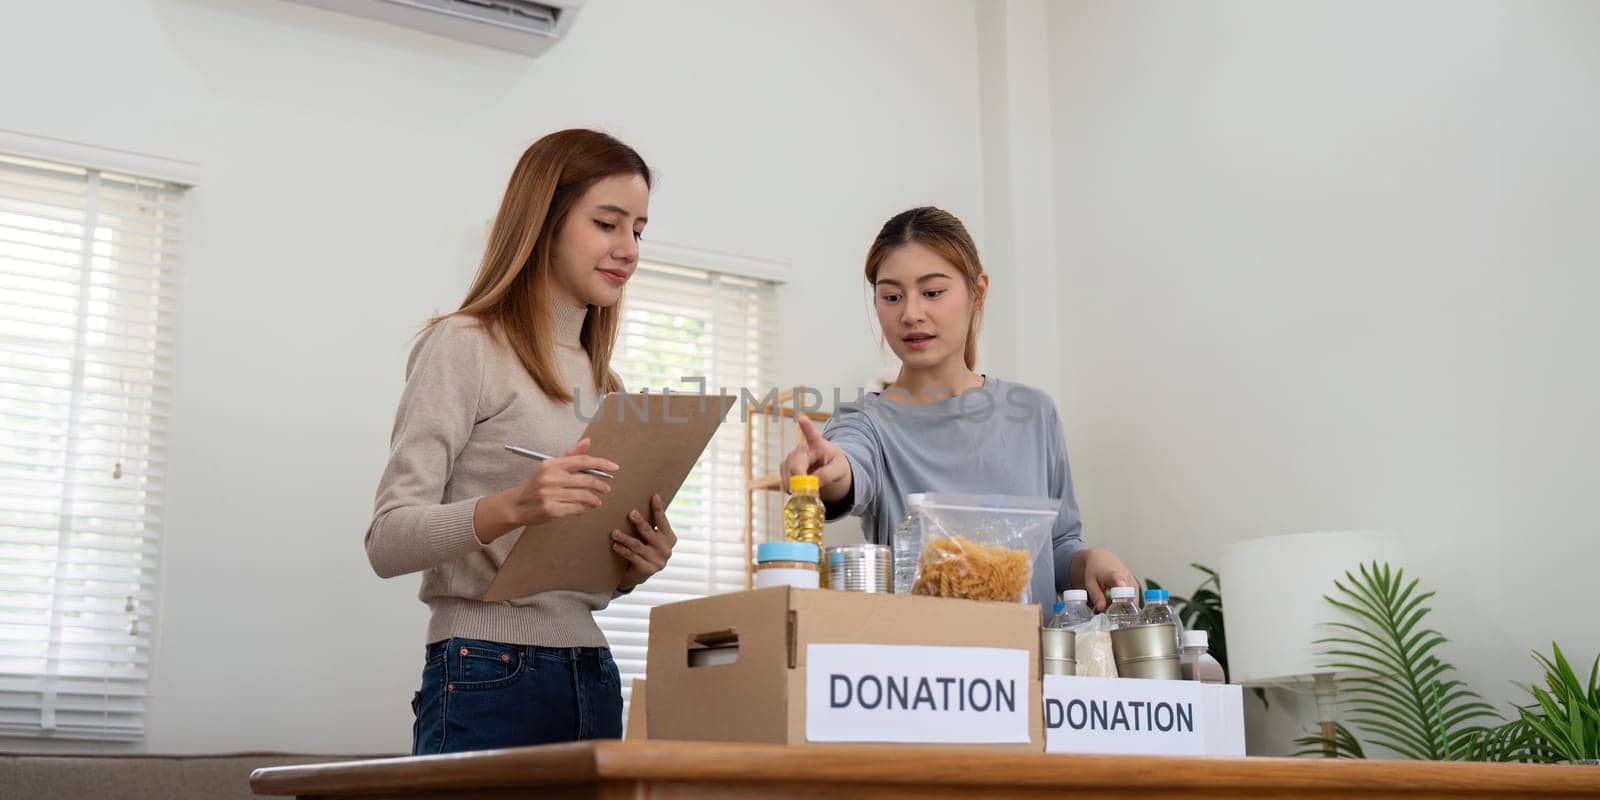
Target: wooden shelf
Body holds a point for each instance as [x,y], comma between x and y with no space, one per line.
[787,412]
[784,407]
[767,483]
[767,417]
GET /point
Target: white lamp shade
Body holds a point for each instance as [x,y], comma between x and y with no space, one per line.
[1272,594]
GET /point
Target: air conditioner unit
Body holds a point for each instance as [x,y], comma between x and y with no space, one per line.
[521,26]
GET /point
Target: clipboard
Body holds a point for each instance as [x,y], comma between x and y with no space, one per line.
[655,439]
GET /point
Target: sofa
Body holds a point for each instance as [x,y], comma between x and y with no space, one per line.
[29,776]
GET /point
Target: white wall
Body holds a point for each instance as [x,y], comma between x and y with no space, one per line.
[1021,337]
[1318,265]
[1333,265]
[349,170]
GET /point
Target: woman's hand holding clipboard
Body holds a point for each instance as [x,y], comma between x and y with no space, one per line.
[648,548]
[656,439]
[561,487]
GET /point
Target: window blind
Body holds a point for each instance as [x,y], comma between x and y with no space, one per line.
[89,270]
[683,323]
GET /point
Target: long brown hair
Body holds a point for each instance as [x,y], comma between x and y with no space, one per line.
[939,231]
[511,290]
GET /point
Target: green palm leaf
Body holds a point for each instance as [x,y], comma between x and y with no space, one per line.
[1401,693]
[1512,741]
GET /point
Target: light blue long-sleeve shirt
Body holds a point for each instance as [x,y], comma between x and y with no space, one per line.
[1003,438]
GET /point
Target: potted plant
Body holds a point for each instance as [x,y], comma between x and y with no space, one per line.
[1403,695]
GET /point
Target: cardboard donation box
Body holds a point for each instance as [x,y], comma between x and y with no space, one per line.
[1129,716]
[798,666]
[636,727]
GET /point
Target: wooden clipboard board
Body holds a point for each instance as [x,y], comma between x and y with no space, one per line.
[655,440]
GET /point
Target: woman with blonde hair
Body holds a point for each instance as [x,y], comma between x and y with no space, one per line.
[942,426]
[535,332]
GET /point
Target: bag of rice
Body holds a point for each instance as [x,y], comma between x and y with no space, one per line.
[987,547]
[1095,659]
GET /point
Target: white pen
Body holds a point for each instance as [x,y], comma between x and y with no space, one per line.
[538,456]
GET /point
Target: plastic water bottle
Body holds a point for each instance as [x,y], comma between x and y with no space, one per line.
[1157,611]
[1073,610]
[1124,610]
[907,545]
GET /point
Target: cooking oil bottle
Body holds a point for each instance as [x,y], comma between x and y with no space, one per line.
[803,514]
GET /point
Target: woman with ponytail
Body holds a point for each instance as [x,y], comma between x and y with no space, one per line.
[942,426]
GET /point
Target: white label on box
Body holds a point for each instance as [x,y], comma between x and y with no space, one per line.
[1224,719]
[1125,716]
[905,693]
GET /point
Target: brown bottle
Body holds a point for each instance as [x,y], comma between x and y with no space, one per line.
[1197,663]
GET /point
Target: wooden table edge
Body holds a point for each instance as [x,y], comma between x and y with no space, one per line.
[591,762]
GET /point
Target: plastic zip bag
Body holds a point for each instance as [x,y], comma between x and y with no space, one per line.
[987,547]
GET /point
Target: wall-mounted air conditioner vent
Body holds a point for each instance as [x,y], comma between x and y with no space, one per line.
[521,26]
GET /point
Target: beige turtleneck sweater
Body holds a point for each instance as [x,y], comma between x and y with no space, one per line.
[466,397]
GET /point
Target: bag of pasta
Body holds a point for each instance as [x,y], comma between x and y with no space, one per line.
[987,547]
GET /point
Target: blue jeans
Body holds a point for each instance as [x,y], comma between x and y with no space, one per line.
[479,695]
